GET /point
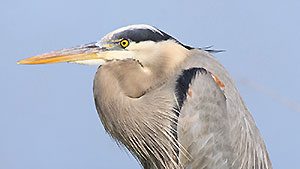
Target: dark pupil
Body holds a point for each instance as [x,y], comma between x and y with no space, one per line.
[124,43]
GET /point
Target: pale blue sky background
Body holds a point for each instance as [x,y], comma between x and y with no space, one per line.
[48,119]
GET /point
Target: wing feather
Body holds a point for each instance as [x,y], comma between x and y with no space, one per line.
[203,125]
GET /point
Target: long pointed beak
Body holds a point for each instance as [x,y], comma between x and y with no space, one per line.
[81,53]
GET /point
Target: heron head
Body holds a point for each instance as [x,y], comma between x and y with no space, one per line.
[144,43]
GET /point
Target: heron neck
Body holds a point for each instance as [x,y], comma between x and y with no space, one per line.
[142,124]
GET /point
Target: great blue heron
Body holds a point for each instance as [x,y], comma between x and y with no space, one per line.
[171,105]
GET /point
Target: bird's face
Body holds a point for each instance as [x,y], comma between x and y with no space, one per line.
[140,42]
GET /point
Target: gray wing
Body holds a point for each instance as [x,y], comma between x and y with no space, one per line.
[243,137]
[203,126]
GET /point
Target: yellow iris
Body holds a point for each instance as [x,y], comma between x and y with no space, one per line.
[124,43]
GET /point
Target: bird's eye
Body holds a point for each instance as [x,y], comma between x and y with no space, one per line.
[124,43]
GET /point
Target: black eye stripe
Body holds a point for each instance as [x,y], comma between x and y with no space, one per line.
[139,35]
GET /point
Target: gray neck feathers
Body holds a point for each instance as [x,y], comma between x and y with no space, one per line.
[140,120]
